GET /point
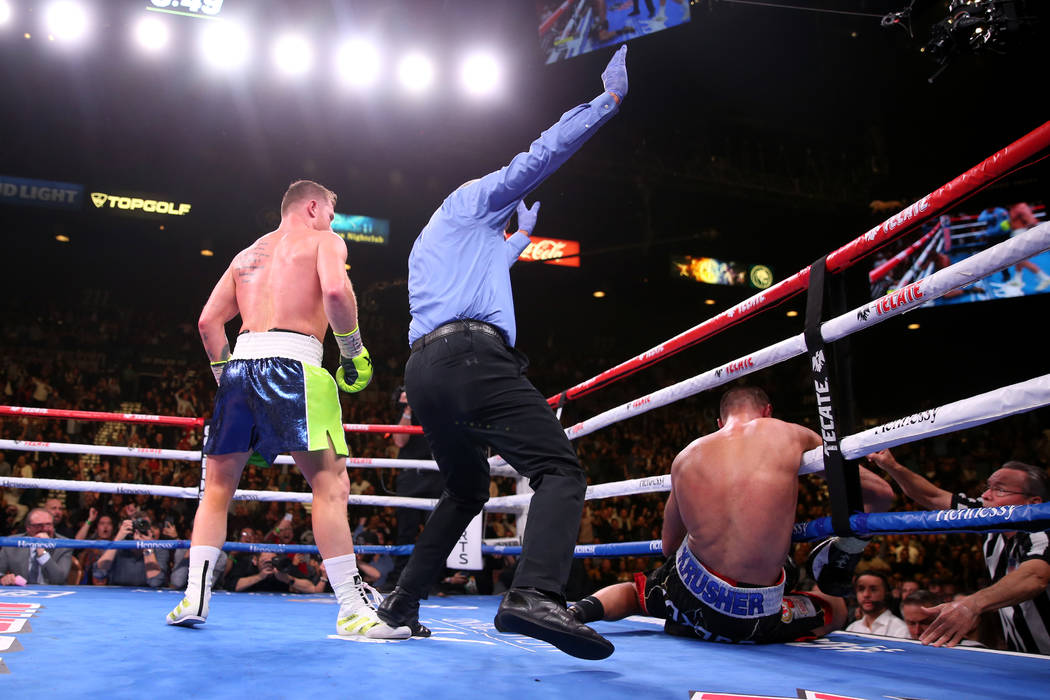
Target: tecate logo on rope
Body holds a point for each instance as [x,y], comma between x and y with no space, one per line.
[359,460]
[650,482]
[913,292]
[648,354]
[908,213]
[32,443]
[139,416]
[746,363]
[638,403]
[757,300]
[26,409]
[145,450]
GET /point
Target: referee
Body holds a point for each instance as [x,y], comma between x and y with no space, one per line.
[466,384]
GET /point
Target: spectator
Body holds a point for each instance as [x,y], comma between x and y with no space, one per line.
[88,557]
[35,565]
[1018,562]
[133,567]
[872,589]
[913,610]
[57,508]
[271,572]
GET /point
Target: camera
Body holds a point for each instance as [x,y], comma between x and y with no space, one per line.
[282,563]
[141,525]
[972,26]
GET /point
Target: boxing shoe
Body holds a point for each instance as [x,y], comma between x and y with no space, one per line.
[189,614]
[831,563]
[402,609]
[364,622]
[538,615]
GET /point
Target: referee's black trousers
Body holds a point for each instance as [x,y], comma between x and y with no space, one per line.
[468,389]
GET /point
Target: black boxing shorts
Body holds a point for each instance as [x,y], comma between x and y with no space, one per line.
[695,602]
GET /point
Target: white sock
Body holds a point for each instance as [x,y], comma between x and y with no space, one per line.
[198,579]
[345,579]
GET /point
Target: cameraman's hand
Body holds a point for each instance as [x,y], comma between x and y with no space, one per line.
[282,577]
[136,535]
[170,531]
[267,570]
[123,531]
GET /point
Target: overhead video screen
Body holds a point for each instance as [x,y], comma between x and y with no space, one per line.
[951,238]
[573,27]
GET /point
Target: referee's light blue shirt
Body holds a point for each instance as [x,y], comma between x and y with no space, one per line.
[459,267]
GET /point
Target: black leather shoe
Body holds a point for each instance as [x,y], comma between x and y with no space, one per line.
[399,609]
[832,568]
[534,614]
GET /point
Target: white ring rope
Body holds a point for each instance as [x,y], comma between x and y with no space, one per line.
[192,492]
[1032,242]
[190,456]
[959,415]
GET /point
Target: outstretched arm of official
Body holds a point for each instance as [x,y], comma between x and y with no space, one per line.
[914,486]
[958,617]
[496,194]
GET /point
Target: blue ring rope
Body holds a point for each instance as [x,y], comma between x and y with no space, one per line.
[1030,518]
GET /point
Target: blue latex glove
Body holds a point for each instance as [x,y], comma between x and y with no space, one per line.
[527,217]
[614,77]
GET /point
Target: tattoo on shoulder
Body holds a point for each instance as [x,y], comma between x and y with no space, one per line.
[250,261]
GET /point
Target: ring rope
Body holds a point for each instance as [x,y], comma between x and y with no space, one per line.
[974,179]
[958,415]
[1032,242]
[179,421]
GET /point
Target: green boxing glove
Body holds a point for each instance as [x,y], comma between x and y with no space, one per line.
[355,364]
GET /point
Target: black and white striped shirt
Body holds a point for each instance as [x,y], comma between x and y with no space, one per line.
[1026,626]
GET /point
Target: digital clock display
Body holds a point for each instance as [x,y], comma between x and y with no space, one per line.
[190,8]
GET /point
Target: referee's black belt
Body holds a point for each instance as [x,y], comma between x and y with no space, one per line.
[456,327]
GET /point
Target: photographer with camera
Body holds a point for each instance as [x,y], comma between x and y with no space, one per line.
[133,567]
[269,572]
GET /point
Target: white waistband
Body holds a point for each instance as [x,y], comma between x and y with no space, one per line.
[294,346]
[718,594]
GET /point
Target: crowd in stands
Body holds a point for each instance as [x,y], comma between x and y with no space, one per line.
[107,359]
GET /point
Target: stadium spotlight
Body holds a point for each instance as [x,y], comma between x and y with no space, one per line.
[66,21]
[5,11]
[416,72]
[225,45]
[358,63]
[292,54]
[479,74]
[151,34]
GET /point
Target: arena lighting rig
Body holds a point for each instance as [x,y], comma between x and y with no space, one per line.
[972,26]
[228,44]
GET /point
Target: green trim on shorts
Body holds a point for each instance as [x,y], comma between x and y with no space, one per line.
[324,415]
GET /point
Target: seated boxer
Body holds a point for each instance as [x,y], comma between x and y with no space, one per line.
[727,533]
